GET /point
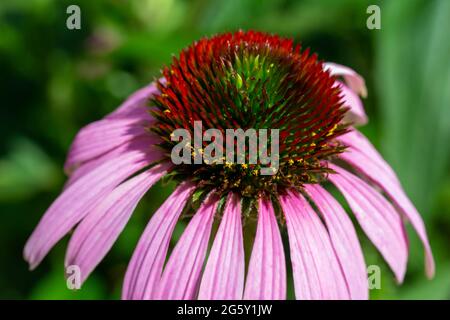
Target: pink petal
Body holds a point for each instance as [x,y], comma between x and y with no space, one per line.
[140,143]
[377,217]
[181,275]
[96,234]
[383,178]
[223,278]
[115,129]
[102,136]
[316,270]
[137,105]
[266,276]
[358,143]
[145,268]
[353,79]
[344,241]
[356,115]
[78,199]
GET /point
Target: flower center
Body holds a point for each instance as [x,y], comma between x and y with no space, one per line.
[251,80]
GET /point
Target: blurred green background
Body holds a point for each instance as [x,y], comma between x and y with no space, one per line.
[55,80]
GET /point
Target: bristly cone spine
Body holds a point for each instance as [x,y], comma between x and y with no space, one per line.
[252,80]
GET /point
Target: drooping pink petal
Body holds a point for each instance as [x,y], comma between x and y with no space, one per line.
[181,275]
[378,218]
[356,115]
[344,240]
[102,136]
[358,143]
[390,185]
[90,165]
[145,268]
[316,270]
[266,276]
[78,199]
[96,234]
[139,143]
[116,128]
[137,105]
[353,79]
[223,278]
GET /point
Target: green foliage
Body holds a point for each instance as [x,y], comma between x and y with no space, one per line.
[414,80]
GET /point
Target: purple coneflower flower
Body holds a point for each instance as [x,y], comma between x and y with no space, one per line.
[241,80]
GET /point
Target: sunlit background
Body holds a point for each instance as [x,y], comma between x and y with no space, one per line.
[55,80]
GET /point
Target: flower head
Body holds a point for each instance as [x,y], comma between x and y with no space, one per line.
[253,80]
[242,80]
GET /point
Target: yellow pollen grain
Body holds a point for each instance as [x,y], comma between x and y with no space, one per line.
[332,130]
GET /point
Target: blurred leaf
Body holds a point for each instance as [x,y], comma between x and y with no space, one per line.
[436,289]
[166,14]
[26,170]
[146,47]
[413,73]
